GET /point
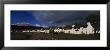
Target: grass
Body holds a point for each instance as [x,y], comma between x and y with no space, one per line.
[51,36]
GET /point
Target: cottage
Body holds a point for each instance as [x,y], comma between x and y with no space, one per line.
[46,31]
[90,29]
[58,30]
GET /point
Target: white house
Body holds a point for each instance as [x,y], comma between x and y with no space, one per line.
[58,30]
[43,31]
[89,29]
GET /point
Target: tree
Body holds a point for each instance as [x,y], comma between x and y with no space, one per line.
[68,27]
[51,31]
[77,25]
[95,21]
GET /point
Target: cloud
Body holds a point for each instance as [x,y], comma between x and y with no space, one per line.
[37,25]
[61,17]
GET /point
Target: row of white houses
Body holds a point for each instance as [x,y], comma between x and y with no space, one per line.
[88,30]
[43,31]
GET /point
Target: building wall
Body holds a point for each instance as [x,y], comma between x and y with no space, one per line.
[90,29]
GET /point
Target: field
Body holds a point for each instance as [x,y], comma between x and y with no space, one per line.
[51,36]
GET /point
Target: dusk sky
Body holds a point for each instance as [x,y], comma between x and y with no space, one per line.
[49,18]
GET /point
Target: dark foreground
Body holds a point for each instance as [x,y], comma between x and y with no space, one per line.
[46,36]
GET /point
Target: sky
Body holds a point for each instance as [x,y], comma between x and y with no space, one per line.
[50,17]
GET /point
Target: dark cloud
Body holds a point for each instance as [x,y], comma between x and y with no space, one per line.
[61,17]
